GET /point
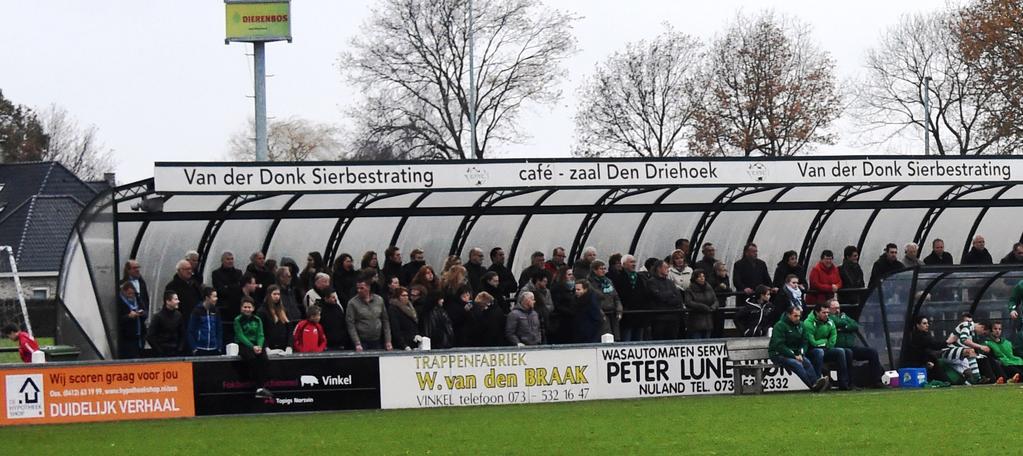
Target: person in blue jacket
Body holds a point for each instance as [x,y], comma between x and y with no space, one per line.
[205,333]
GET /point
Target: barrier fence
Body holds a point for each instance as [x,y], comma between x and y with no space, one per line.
[185,387]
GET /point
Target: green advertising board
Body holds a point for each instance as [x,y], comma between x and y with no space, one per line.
[253,20]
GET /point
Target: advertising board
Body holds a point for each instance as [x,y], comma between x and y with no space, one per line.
[71,394]
[563,374]
[257,20]
[341,176]
[299,384]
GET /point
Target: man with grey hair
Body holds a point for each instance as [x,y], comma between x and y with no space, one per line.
[474,269]
[522,326]
[189,293]
[319,291]
[193,257]
[581,268]
[978,253]
[911,255]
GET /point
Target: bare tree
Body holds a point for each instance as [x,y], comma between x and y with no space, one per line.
[641,101]
[890,100]
[76,147]
[991,39]
[412,62]
[291,139]
[772,90]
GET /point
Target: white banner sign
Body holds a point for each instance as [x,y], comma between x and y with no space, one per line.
[558,375]
[255,178]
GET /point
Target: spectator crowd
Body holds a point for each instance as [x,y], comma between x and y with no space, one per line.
[392,303]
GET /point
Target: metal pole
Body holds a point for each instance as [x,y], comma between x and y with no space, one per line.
[17,287]
[259,64]
[472,80]
[927,114]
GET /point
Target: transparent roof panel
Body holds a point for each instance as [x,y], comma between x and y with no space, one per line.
[431,234]
[921,192]
[807,193]
[781,231]
[241,237]
[451,199]
[493,231]
[126,233]
[662,229]
[575,196]
[544,233]
[613,233]
[177,203]
[841,229]
[644,196]
[163,244]
[295,238]
[394,200]
[875,193]
[730,232]
[999,231]
[264,204]
[762,196]
[324,201]
[693,195]
[983,193]
[952,226]
[528,198]
[891,225]
[367,233]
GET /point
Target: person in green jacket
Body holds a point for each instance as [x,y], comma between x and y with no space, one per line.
[847,329]
[248,333]
[786,350]
[821,336]
[1001,349]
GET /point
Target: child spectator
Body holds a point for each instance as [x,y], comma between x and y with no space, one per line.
[26,344]
[248,331]
[167,328]
[309,335]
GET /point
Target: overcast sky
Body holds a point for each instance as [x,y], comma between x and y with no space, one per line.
[158,81]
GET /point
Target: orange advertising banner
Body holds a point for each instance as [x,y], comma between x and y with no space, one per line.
[128,391]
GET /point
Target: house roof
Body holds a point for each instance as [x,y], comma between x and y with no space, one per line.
[39,204]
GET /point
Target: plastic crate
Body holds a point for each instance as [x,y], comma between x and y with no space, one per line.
[912,377]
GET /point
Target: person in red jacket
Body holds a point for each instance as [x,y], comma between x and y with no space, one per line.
[824,280]
[26,344]
[309,336]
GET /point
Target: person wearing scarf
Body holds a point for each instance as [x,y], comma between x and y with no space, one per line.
[131,323]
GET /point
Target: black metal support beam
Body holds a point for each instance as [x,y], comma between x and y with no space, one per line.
[724,200]
[404,219]
[484,205]
[277,221]
[834,203]
[641,228]
[873,215]
[522,228]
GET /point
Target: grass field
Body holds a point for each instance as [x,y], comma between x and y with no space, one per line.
[13,357]
[968,420]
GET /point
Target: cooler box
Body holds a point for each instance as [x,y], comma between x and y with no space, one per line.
[912,377]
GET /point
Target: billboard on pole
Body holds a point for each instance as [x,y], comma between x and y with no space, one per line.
[254,20]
